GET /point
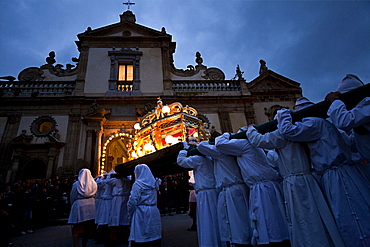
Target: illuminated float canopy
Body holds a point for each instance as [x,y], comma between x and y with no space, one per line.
[165,127]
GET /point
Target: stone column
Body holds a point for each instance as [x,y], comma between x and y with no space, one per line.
[225,123]
[10,132]
[50,165]
[71,149]
[53,155]
[136,83]
[88,147]
[97,152]
[166,69]
[15,166]
[82,67]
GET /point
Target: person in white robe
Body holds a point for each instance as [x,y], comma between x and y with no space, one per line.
[118,213]
[232,203]
[105,208]
[345,188]
[146,226]
[82,214]
[99,201]
[351,120]
[266,204]
[272,157]
[120,193]
[206,196]
[311,222]
[98,198]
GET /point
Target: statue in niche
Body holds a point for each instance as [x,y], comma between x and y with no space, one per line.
[263,67]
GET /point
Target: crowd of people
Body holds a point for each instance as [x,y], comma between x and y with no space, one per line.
[32,204]
[29,205]
[305,184]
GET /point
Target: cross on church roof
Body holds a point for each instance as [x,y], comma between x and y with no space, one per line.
[128,3]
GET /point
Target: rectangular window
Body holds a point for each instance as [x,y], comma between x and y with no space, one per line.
[125,72]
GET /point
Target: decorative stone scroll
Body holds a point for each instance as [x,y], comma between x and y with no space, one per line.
[31,74]
[214,74]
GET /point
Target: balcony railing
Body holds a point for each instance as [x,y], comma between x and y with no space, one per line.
[205,86]
[36,88]
[124,86]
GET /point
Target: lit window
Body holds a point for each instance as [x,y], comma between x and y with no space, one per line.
[125,72]
[45,127]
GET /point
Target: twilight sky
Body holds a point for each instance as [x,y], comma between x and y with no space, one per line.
[312,42]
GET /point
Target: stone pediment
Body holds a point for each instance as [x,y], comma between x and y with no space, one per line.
[271,81]
[125,28]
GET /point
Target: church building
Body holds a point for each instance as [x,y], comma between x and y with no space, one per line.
[56,119]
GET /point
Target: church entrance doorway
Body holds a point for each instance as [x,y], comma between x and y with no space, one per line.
[34,170]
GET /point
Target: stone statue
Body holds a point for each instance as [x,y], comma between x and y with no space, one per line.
[239,73]
[51,58]
[263,67]
[199,59]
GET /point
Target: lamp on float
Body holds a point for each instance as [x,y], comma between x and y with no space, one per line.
[149,147]
[137,126]
[166,109]
[171,140]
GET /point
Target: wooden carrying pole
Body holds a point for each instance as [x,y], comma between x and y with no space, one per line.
[350,98]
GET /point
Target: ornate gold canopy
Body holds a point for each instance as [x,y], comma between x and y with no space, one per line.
[164,126]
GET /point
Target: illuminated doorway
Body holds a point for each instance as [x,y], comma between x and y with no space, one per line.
[115,151]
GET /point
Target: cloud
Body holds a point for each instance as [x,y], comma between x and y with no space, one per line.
[313,42]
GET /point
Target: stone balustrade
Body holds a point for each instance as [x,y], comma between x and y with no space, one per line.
[205,86]
[36,88]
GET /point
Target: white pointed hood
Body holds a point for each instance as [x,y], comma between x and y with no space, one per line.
[144,177]
[349,83]
[86,183]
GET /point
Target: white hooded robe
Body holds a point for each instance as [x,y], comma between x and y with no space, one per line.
[232,202]
[205,187]
[266,203]
[307,210]
[145,217]
[345,188]
[82,198]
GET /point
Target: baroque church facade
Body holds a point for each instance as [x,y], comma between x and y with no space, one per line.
[55,120]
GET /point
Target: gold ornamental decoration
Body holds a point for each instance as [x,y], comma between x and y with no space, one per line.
[164,126]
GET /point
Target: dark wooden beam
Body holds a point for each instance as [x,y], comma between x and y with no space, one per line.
[161,162]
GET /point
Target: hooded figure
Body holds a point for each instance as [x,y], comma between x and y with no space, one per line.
[121,191]
[82,198]
[346,189]
[142,208]
[204,182]
[307,211]
[266,203]
[351,119]
[232,203]
[349,83]
[82,213]
[301,103]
